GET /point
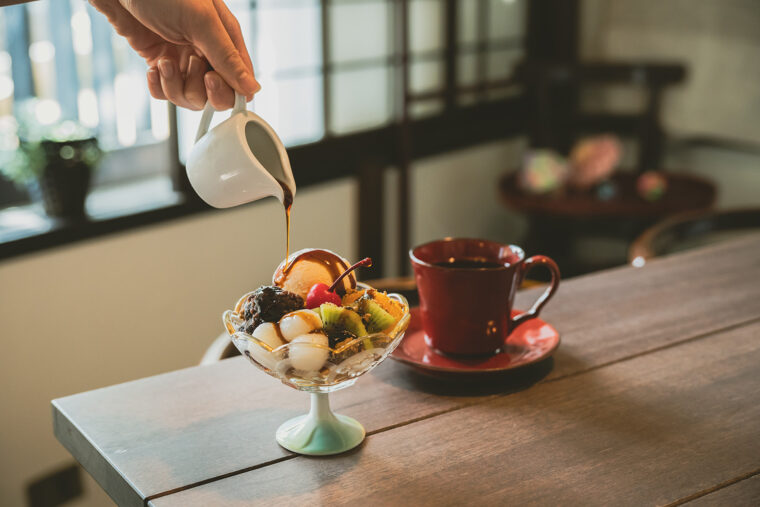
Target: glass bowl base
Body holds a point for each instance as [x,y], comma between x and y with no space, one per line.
[320,432]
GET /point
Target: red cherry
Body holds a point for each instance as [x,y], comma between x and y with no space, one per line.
[320,293]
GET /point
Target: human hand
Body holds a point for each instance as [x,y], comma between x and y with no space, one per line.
[178,39]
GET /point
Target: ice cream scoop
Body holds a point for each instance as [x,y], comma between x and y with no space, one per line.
[311,266]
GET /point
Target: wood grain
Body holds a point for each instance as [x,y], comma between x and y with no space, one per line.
[622,312]
[168,432]
[745,493]
[645,431]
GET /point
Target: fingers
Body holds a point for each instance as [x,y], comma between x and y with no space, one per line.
[212,38]
[192,90]
[219,92]
[175,86]
[154,84]
[195,89]
[171,81]
[232,25]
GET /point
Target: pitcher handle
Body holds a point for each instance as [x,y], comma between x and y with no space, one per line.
[538,260]
[208,113]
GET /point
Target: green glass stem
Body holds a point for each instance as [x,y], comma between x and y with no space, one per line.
[320,432]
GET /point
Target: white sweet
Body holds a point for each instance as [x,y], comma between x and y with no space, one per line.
[309,352]
[267,333]
[299,323]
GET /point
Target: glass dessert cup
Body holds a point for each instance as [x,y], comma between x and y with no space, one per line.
[318,370]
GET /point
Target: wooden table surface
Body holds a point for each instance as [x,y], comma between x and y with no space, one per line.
[653,398]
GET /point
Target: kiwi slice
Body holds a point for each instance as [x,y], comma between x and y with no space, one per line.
[379,319]
[336,320]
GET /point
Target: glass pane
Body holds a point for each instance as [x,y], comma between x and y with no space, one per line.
[425,108]
[426,21]
[468,22]
[503,93]
[285,38]
[426,75]
[467,69]
[467,99]
[359,30]
[293,107]
[360,99]
[501,63]
[506,18]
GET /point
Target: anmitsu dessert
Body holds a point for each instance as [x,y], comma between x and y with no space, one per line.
[316,327]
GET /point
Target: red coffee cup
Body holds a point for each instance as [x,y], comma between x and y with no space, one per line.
[467,288]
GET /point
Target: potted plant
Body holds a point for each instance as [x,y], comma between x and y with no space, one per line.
[55,162]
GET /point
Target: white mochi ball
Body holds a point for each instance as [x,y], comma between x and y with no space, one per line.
[299,323]
[267,333]
[309,352]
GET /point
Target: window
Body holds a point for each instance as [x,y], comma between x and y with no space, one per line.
[328,68]
[66,55]
[316,86]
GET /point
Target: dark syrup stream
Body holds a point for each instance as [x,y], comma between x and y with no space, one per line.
[287,202]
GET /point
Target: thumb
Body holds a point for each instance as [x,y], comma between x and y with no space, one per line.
[215,43]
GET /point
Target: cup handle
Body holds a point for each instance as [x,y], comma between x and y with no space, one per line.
[208,113]
[527,265]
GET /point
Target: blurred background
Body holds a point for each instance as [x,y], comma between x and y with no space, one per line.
[599,132]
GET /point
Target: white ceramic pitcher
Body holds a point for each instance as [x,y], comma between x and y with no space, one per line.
[238,161]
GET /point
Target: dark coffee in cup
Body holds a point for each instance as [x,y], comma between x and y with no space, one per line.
[469,263]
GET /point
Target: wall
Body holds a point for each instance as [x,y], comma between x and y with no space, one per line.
[717,40]
[127,306]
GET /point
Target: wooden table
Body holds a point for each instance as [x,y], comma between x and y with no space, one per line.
[652,398]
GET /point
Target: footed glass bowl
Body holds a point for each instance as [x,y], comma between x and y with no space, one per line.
[318,370]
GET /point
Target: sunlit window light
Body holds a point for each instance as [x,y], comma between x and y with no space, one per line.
[126,127]
[267,104]
[8,139]
[80,33]
[19,218]
[41,51]
[87,104]
[42,56]
[47,111]
[5,63]
[159,119]
[6,95]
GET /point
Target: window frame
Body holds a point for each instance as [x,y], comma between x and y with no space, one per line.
[361,155]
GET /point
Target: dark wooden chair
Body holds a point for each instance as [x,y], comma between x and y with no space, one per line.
[690,230]
[557,119]
[220,348]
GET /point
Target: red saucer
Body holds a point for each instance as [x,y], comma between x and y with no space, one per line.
[529,343]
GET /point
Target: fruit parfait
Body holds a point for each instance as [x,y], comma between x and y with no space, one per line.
[317,329]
